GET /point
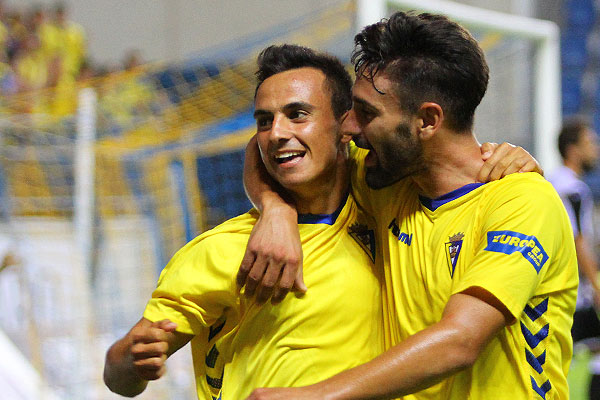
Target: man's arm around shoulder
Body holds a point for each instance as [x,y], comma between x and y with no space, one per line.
[140,356]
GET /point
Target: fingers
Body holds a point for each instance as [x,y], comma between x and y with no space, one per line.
[152,333]
[142,351]
[487,149]
[273,256]
[269,280]
[299,285]
[245,267]
[497,164]
[150,369]
[505,160]
[166,325]
[255,275]
[149,359]
[273,275]
[149,348]
[287,281]
[531,165]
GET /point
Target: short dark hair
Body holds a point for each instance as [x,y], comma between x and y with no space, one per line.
[280,58]
[428,58]
[570,133]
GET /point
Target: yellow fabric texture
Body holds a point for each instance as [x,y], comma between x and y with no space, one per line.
[510,237]
[336,325]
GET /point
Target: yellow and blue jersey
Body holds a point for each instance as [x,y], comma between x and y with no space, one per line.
[510,237]
[239,345]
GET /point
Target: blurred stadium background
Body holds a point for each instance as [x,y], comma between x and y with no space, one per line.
[123,127]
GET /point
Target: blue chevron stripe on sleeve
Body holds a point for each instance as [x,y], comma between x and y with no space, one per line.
[215,330]
[538,311]
[541,390]
[211,357]
[536,362]
[216,383]
[533,340]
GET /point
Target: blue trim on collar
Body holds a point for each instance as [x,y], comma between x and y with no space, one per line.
[328,219]
[434,204]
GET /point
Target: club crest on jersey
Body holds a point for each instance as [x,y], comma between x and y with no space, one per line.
[453,247]
[365,237]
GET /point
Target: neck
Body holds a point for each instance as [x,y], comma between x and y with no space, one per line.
[326,195]
[575,166]
[452,160]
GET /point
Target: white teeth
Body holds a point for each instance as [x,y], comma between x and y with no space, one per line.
[289,154]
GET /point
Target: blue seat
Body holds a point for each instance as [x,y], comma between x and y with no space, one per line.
[580,15]
[573,50]
[220,179]
[571,92]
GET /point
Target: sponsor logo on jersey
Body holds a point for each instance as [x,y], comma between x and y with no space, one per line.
[453,247]
[401,236]
[365,237]
[509,242]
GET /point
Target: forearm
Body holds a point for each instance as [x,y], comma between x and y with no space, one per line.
[419,362]
[262,190]
[425,358]
[119,375]
[587,261]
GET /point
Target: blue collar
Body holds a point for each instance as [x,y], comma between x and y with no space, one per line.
[328,219]
[434,204]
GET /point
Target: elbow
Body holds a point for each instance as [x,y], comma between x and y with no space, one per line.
[464,358]
[464,352]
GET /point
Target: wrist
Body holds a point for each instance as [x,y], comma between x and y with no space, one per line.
[275,205]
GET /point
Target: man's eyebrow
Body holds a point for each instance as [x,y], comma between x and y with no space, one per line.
[364,104]
[288,107]
[298,104]
[260,113]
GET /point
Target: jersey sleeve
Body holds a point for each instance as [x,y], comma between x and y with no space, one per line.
[196,286]
[525,236]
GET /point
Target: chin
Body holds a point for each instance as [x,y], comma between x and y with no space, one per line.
[292,183]
[377,179]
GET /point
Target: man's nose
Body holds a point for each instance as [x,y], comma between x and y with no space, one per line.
[280,130]
[350,124]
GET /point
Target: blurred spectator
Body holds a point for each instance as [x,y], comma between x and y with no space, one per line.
[128,95]
[578,146]
[17,33]
[68,39]
[31,64]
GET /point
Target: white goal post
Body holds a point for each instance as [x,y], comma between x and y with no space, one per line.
[544,35]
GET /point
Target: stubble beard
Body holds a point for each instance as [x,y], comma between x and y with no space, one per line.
[588,166]
[397,160]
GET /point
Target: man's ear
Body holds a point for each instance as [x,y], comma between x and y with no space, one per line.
[343,117]
[429,119]
[346,136]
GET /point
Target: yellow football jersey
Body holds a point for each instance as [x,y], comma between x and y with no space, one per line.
[510,237]
[336,325]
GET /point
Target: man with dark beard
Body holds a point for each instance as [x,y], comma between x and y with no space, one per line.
[578,147]
[480,279]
